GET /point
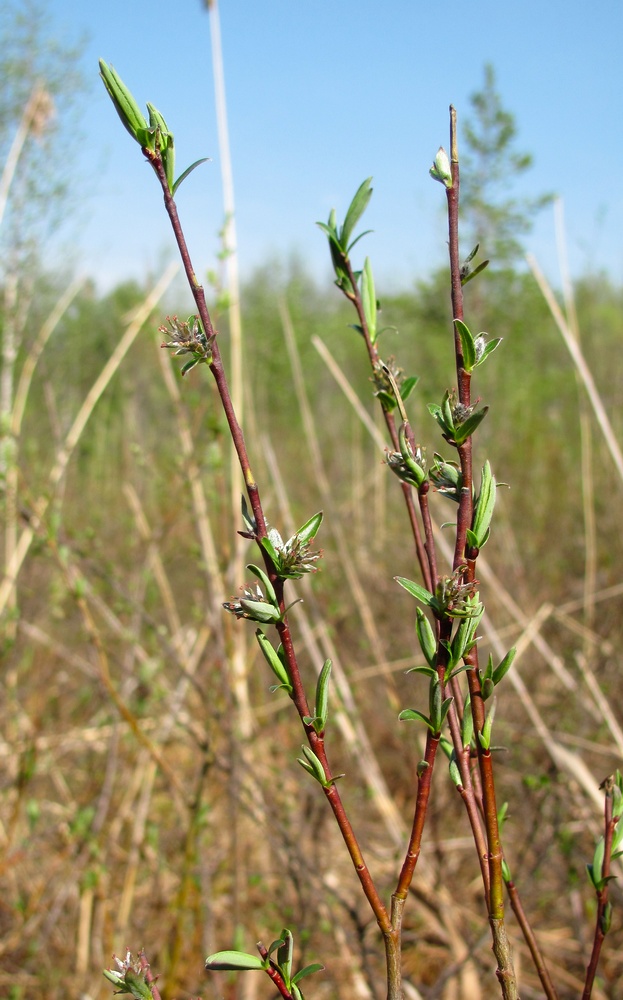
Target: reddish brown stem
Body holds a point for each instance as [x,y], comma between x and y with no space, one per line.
[273,972]
[425,776]
[531,941]
[216,365]
[602,895]
[390,423]
[149,978]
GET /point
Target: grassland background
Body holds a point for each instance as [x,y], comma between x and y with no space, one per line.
[176,818]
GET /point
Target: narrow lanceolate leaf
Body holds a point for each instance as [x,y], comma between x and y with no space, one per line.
[420,593]
[322,694]
[504,666]
[472,274]
[412,715]
[485,736]
[233,961]
[489,349]
[310,529]
[426,637]
[467,723]
[408,386]
[356,209]
[182,177]
[126,107]
[313,766]
[261,575]
[467,345]
[284,954]
[368,297]
[259,611]
[273,660]
[307,971]
[484,506]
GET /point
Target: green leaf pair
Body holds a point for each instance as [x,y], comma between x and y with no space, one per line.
[240,961]
[466,272]
[255,605]
[340,243]
[452,600]
[475,350]
[438,707]
[154,135]
[457,422]
[292,559]
[491,677]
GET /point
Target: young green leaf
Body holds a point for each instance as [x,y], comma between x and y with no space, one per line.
[355,210]
[127,108]
[483,350]
[313,766]
[233,961]
[310,529]
[274,661]
[322,695]
[467,345]
[485,736]
[483,507]
[472,274]
[504,666]
[182,177]
[259,611]
[426,637]
[420,593]
[467,428]
[284,955]
[261,575]
[412,715]
[307,971]
[408,386]
[368,298]
[467,723]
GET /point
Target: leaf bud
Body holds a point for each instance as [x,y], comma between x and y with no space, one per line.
[441,170]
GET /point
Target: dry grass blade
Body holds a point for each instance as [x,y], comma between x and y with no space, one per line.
[581,366]
[76,430]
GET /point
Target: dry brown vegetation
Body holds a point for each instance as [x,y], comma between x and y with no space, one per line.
[150,792]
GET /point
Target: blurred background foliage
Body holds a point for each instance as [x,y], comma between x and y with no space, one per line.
[163,817]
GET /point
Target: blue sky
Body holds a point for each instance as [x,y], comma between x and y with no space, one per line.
[321,95]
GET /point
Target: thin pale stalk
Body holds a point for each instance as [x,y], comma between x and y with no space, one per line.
[38,100]
[216,363]
[581,366]
[73,436]
[238,640]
